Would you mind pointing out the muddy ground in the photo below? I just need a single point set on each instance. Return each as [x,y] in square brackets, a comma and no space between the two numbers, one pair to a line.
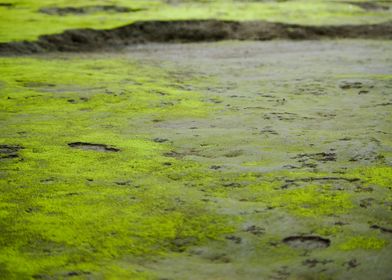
[186,31]
[228,160]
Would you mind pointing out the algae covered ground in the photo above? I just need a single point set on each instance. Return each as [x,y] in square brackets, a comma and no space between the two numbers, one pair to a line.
[222,160]
[28,19]
[199,161]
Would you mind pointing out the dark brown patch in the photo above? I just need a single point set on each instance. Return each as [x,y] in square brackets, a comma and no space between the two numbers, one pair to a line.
[179,244]
[82,40]
[160,140]
[7,5]
[350,85]
[233,154]
[63,11]
[9,151]
[307,242]
[93,147]
[235,239]
[369,6]
[311,179]
[353,263]
[255,230]
[382,229]
[321,157]
[314,262]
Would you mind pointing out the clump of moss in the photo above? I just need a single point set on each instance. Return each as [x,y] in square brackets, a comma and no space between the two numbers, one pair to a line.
[86,208]
[375,175]
[363,242]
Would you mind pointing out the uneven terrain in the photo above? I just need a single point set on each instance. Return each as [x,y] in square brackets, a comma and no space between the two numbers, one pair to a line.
[129,151]
[229,160]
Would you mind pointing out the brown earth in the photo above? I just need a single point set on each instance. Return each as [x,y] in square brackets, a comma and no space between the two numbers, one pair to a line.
[82,40]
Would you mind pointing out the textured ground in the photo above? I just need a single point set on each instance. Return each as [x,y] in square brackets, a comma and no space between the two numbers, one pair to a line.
[268,160]
[28,19]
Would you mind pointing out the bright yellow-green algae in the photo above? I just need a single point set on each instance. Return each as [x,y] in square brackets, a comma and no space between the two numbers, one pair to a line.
[64,209]
[363,242]
[69,209]
[23,21]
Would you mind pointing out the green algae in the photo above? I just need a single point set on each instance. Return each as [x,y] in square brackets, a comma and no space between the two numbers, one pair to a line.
[66,211]
[85,207]
[15,19]
[364,242]
[375,175]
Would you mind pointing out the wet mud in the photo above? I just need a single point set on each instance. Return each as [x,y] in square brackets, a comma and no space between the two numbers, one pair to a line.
[229,160]
[93,147]
[307,242]
[87,40]
[63,11]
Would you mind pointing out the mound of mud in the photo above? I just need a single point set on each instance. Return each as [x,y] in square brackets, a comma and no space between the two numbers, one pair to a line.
[85,40]
[63,11]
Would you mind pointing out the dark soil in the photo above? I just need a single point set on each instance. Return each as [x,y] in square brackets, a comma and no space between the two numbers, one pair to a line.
[85,40]
[382,229]
[63,11]
[9,151]
[93,147]
[8,5]
[307,242]
[369,6]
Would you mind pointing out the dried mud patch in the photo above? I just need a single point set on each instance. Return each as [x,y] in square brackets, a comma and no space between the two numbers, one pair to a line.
[93,147]
[84,10]
[307,242]
[86,40]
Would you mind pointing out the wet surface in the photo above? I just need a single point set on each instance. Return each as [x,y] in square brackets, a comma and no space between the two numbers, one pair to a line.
[287,140]
[93,147]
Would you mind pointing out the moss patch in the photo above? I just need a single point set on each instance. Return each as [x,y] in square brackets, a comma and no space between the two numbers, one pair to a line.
[16,18]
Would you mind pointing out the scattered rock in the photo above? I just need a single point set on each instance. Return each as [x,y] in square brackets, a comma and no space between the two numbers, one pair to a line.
[307,242]
[93,147]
